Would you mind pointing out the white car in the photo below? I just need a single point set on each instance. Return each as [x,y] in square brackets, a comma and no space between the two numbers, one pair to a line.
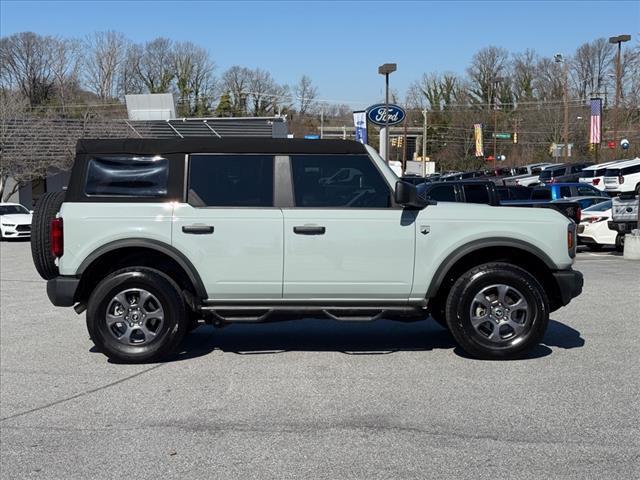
[594,175]
[593,230]
[624,177]
[15,221]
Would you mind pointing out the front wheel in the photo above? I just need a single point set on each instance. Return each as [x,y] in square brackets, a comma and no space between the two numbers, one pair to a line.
[497,311]
[137,315]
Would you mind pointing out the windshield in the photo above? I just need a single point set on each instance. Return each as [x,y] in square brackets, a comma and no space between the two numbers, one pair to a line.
[599,207]
[12,209]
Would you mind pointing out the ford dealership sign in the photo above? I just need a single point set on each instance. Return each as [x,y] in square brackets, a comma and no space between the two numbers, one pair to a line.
[375,114]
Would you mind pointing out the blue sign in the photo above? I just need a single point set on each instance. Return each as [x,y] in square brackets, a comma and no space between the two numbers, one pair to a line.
[376,115]
[312,137]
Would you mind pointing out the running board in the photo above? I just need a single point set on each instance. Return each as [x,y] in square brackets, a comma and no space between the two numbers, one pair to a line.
[257,314]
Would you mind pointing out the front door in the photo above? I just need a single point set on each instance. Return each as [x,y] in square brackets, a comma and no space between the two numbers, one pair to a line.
[343,238]
[229,228]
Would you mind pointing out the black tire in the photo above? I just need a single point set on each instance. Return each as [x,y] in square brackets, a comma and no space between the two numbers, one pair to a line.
[169,334]
[620,242]
[461,299]
[45,211]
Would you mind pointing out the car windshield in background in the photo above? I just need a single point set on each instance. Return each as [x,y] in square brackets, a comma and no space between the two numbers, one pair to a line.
[12,209]
[599,207]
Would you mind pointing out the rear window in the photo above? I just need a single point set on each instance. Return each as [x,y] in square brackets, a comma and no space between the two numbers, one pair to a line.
[127,176]
[545,174]
[589,174]
[599,207]
[612,172]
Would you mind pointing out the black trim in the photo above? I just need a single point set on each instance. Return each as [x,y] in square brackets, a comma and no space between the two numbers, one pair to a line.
[282,187]
[161,247]
[156,146]
[470,247]
[61,290]
[570,283]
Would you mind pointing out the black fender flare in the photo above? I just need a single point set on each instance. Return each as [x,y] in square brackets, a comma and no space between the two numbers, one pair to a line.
[480,244]
[151,244]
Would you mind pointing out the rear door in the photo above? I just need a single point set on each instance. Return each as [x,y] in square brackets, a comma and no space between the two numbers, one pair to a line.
[229,228]
[344,239]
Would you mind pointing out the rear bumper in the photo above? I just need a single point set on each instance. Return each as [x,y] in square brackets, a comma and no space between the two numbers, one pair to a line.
[570,283]
[622,227]
[61,290]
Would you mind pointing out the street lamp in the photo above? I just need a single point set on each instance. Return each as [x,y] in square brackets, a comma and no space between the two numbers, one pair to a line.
[494,83]
[386,69]
[559,58]
[620,39]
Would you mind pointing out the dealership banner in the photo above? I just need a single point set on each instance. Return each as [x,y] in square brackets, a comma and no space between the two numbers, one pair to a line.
[360,122]
[477,130]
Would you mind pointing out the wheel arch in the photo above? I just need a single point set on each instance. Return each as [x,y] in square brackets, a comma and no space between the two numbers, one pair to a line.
[138,252]
[513,251]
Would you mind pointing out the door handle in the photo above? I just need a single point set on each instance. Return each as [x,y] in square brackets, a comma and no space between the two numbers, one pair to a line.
[198,229]
[309,230]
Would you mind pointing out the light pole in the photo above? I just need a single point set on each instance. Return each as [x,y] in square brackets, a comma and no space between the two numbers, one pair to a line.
[386,69]
[619,40]
[565,95]
[494,83]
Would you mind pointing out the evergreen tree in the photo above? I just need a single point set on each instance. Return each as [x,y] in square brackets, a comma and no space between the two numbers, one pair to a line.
[224,108]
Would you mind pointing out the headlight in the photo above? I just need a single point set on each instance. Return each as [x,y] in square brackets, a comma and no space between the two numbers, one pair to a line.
[8,225]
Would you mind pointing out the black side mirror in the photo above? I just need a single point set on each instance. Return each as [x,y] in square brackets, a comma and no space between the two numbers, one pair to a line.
[407,195]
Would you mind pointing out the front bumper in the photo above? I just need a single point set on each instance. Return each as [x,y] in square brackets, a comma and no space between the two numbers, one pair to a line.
[61,290]
[16,231]
[570,283]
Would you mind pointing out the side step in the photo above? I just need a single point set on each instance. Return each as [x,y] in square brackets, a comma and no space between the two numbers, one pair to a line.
[257,314]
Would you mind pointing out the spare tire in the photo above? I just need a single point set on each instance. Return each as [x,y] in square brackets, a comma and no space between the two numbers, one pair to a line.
[45,211]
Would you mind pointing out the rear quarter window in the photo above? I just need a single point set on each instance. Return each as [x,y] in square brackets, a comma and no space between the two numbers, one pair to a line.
[127,176]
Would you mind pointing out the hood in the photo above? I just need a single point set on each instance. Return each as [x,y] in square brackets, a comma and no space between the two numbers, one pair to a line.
[17,218]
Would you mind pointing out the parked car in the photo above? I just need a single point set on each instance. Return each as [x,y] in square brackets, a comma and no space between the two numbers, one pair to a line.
[534,178]
[181,250]
[624,216]
[594,174]
[593,230]
[584,201]
[15,221]
[623,177]
[521,173]
[475,191]
[557,191]
[564,173]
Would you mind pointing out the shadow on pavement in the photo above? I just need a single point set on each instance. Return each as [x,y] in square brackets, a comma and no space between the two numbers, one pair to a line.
[377,338]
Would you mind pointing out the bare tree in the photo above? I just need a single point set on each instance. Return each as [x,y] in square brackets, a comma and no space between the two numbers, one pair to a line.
[194,77]
[590,65]
[129,82]
[25,60]
[65,66]
[548,82]
[524,73]
[306,93]
[487,65]
[155,66]
[236,82]
[105,53]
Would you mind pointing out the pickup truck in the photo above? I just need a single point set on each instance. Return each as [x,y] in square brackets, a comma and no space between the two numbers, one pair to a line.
[154,236]
[624,216]
[475,191]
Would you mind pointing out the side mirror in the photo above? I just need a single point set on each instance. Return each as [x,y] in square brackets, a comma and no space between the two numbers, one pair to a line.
[406,195]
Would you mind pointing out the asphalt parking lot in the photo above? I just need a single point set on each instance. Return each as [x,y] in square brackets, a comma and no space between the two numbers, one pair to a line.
[322,399]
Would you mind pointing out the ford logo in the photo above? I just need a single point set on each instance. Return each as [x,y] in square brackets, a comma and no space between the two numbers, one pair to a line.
[376,115]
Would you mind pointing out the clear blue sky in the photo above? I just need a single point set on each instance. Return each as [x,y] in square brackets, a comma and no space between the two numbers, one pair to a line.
[339,44]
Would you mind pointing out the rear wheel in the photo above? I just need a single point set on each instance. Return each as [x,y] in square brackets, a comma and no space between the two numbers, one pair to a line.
[620,242]
[45,211]
[137,315]
[497,311]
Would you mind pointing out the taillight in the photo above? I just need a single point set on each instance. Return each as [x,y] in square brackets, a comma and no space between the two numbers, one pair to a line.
[57,238]
[552,180]
[595,181]
[517,182]
[620,179]
[578,215]
[571,240]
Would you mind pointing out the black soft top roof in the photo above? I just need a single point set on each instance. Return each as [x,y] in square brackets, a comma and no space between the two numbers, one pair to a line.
[158,146]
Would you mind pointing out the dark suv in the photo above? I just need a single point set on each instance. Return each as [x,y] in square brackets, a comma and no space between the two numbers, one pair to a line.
[566,173]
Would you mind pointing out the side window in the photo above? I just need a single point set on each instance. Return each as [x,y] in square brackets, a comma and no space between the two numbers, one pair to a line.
[127,176]
[231,180]
[476,194]
[541,194]
[326,181]
[565,192]
[576,168]
[586,190]
[442,193]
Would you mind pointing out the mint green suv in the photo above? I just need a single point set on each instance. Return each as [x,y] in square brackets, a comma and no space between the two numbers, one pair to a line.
[153,236]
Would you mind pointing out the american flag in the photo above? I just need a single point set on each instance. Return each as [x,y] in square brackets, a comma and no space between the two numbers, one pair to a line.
[596,116]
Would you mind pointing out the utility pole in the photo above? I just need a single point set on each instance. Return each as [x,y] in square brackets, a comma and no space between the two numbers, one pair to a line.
[424,143]
[386,69]
[619,40]
[559,58]
[495,83]
[322,121]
